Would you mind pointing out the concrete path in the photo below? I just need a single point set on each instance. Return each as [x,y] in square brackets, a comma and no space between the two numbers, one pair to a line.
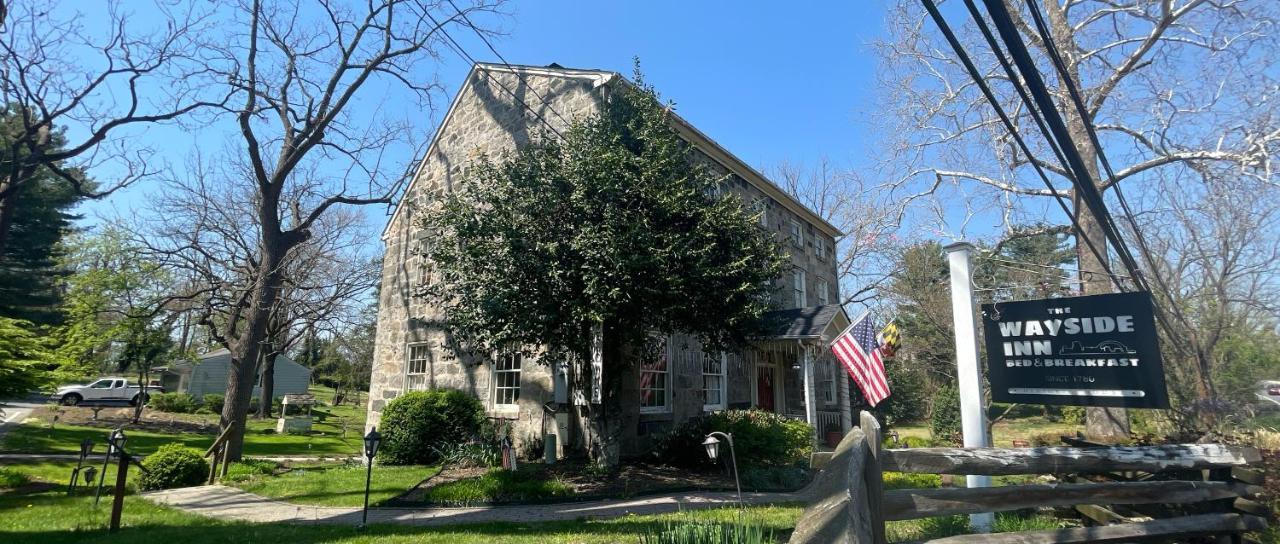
[233,504]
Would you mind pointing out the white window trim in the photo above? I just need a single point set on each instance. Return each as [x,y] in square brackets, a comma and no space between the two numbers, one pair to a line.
[797,232]
[827,383]
[819,247]
[519,372]
[724,390]
[408,363]
[823,292]
[666,389]
[799,288]
[761,208]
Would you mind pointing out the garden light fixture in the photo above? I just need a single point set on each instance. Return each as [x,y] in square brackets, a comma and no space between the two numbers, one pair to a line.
[712,443]
[371,442]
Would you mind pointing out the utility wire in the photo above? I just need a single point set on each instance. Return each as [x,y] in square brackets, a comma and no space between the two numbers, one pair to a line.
[980,81]
[489,44]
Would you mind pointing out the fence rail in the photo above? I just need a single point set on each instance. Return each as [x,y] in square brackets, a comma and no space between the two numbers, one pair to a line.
[853,508]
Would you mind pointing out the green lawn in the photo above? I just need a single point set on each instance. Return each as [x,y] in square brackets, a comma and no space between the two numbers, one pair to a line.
[1005,431]
[499,485]
[338,434]
[335,484]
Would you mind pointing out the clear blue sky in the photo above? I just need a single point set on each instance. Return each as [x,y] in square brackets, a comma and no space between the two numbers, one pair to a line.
[771,82]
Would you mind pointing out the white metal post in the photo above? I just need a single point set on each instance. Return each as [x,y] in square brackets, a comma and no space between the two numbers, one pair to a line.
[810,411]
[973,419]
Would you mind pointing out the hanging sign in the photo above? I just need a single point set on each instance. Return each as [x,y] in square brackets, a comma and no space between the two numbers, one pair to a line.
[1098,350]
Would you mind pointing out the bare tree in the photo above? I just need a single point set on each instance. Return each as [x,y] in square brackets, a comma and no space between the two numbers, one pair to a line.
[1169,85]
[304,149]
[55,74]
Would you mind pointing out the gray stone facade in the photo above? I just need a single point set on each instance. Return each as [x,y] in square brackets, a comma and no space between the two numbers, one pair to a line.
[487,118]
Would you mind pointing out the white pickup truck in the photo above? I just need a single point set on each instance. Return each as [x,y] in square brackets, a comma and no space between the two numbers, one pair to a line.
[104,390]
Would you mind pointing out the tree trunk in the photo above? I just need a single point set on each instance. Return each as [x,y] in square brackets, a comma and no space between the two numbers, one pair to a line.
[8,207]
[618,412]
[268,385]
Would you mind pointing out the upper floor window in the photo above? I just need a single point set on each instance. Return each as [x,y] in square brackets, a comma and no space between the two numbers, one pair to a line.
[415,370]
[820,249]
[797,233]
[506,379]
[713,368]
[823,292]
[654,385]
[797,286]
[760,207]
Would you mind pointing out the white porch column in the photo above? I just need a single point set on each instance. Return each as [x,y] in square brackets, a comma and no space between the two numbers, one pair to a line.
[810,410]
[842,389]
[973,420]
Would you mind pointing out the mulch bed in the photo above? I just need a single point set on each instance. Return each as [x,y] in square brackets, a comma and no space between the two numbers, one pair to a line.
[110,418]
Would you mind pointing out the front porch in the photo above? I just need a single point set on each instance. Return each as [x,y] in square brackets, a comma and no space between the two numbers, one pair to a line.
[793,373]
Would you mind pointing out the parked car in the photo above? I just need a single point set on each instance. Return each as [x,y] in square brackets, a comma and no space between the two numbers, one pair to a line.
[105,389]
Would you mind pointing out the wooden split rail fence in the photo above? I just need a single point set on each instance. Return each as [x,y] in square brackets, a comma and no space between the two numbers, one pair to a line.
[1205,490]
[218,451]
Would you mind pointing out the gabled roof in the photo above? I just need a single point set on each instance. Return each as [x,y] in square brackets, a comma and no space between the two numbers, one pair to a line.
[690,133]
[802,323]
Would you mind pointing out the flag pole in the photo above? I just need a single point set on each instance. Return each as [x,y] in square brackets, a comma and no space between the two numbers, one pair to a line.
[862,316]
[968,371]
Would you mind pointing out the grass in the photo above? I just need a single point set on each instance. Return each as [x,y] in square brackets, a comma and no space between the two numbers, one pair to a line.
[328,485]
[53,518]
[1004,432]
[499,486]
[929,528]
[338,435]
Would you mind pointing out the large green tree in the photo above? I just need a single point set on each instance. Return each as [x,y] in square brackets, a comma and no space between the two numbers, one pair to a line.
[613,225]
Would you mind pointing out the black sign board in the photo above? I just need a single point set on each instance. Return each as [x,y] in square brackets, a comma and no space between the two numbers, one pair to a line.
[1098,350]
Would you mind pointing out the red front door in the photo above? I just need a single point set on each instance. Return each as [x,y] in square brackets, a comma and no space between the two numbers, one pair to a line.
[764,388]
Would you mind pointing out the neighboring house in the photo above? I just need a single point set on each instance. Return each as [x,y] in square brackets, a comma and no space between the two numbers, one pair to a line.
[789,370]
[208,375]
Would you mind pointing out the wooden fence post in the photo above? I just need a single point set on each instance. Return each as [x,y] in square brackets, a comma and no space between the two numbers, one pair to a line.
[117,503]
[873,477]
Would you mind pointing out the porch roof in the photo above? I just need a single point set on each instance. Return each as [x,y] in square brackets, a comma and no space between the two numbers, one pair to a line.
[802,323]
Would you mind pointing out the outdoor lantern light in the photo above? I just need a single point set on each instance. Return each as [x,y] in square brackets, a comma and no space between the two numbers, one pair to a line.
[117,439]
[371,441]
[713,451]
[713,447]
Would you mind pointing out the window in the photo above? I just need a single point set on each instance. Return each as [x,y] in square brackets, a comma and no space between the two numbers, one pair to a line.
[415,371]
[823,296]
[819,247]
[653,380]
[713,368]
[797,233]
[797,285]
[761,208]
[101,384]
[506,379]
[827,381]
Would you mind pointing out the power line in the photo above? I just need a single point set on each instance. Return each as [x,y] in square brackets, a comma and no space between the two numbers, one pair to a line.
[1009,126]
[489,44]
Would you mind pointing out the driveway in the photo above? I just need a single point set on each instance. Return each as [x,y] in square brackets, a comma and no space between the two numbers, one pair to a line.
[13,412]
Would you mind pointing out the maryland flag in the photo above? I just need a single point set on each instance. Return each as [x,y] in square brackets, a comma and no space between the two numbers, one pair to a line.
[889,340]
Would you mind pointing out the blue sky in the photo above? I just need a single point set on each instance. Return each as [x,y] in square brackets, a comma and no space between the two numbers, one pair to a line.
[770,82]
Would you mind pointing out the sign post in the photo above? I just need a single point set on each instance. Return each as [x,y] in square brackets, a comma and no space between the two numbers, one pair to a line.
[973,420]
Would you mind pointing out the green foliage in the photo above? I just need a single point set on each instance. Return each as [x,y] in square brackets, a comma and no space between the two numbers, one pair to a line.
[176,403]
[783,478]
[1073,415]
[944,414]
[174,465]
[419,425]
[910,393]
[1245,358]
[248,468]
[11,478]
[760,438]
[24,358]
[213,402]
[911,480]
[709,532]
[497,485]
[616,222]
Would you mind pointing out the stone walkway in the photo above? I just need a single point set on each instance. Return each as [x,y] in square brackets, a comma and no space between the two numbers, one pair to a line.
[229,503]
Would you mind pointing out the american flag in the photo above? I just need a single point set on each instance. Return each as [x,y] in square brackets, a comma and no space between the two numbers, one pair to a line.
[860,353]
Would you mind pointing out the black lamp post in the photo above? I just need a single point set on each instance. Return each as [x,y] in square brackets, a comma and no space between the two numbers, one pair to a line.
[371,441]
[713,451]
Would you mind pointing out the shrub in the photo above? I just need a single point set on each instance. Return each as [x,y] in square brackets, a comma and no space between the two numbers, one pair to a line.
[1073,415]
[709,532]
[760,439]
[174,465]
[11,478]
[213,402]
[499,485]
[419,425]
[786,478]
[944,415]
[178,403]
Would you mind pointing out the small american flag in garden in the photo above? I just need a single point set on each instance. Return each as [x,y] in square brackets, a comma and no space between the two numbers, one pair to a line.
[859,351]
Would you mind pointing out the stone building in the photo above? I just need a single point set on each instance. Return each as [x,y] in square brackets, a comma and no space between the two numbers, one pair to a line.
[789,370]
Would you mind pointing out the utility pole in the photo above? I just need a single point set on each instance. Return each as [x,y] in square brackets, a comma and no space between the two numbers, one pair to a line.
[973,419]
